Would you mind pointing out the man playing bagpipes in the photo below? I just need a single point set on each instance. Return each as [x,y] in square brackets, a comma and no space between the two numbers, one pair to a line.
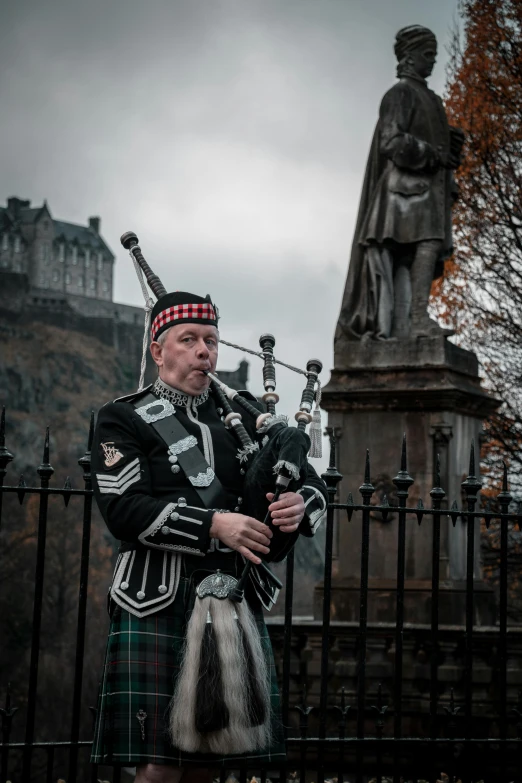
[189,682]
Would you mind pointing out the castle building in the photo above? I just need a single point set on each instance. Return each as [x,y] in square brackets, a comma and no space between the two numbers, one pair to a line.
[55,255]
[62,273]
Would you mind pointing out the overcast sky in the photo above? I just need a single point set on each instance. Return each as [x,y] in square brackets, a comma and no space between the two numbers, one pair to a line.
[230,135]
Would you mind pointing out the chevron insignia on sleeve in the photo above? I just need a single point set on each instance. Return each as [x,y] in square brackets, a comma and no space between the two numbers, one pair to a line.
[118,483]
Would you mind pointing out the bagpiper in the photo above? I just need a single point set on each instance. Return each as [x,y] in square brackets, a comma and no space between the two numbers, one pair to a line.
[169,478]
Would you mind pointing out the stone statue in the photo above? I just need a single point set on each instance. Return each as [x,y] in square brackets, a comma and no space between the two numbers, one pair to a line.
[403,229]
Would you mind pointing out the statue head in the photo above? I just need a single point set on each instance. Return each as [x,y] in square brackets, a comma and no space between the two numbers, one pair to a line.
[416,51]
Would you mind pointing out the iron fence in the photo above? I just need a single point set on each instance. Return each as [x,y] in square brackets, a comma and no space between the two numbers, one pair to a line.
[339,732]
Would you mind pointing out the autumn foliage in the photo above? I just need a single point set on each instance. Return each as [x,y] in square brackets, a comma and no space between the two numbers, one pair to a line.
[480,295]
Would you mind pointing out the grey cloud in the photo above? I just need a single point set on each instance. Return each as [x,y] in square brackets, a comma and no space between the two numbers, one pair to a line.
[230,134]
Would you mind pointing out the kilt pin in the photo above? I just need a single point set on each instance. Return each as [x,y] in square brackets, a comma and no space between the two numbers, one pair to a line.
[154,508]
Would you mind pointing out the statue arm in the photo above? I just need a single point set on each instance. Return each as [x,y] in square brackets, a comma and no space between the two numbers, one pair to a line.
[404,149]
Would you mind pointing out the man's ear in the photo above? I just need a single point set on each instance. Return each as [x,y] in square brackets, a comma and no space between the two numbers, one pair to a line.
[157,353]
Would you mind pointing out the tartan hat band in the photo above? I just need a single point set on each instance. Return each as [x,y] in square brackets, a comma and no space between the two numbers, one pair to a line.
[181,307]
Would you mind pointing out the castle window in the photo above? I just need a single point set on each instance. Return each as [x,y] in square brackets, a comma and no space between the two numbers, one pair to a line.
[17,244]
[106,287]
[68,278]
[56,276]
[93,284]
[80,281]
[5,242]
[44,251]
[74,254]
[100,262]
[61,252]
[87,259]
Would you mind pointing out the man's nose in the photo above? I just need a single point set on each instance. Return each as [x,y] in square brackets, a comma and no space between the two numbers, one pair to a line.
[202,349]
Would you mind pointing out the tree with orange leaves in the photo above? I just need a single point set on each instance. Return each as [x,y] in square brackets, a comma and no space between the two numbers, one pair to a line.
[480,294]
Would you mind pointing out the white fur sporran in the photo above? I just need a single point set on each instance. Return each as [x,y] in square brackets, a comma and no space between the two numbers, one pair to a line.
[225,664]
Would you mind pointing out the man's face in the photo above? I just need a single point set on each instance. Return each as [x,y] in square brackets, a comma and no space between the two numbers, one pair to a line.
[187,351]
[424,58]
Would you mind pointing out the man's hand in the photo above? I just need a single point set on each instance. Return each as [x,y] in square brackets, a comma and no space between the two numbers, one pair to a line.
[241,533]
[287,512]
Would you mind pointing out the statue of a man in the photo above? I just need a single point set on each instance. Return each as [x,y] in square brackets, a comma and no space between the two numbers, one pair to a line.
[403,230]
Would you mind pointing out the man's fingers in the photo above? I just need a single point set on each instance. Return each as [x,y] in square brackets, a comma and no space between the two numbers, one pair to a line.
[259,527]
[285,500]
[295,519]
[290,511]
[289,528]
[249,555]
[252,536]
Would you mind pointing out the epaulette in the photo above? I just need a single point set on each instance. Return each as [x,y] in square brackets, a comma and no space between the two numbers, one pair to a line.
[135,395]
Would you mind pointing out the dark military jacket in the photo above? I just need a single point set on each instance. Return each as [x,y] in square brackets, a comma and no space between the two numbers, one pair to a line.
[149,503]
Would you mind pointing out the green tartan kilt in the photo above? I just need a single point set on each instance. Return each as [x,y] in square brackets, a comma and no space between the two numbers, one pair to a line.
[142,663]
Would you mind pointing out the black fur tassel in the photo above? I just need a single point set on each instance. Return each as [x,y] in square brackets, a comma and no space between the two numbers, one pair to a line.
[211,711]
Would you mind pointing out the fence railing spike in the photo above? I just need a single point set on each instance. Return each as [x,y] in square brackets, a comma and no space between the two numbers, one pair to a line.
[21,489]
[471,485]
[46,447]
[367,489]
[45,470]
[5,455]
[504,497]
[403,480]
[331,476]
[66,494]
[420,511]
[90,436]
[85,461]
[349,506]
[454,513]
[437,471]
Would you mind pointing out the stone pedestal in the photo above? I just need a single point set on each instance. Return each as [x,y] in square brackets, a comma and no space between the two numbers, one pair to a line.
[429,389]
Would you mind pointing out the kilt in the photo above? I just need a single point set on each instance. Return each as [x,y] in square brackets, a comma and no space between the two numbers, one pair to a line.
[142,662]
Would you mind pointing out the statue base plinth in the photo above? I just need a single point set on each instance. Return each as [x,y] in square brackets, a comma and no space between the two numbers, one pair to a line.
[410,374]
[430,390]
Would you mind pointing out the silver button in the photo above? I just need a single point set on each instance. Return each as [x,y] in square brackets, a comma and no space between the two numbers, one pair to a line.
[124,585]
[173,459]
[162,589]
[174,516]
[165,530]
[175,468]
[236,508]
[219,410]
[141,595]
[242,472]
[240,500]
[182,502]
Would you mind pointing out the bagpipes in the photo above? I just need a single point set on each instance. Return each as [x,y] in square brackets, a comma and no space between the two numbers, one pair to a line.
[221,702]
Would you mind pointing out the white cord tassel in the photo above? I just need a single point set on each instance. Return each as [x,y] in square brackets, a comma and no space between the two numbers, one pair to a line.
[316,428]
[149,304]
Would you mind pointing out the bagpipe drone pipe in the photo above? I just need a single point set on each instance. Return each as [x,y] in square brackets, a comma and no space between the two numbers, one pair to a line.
[221,702]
